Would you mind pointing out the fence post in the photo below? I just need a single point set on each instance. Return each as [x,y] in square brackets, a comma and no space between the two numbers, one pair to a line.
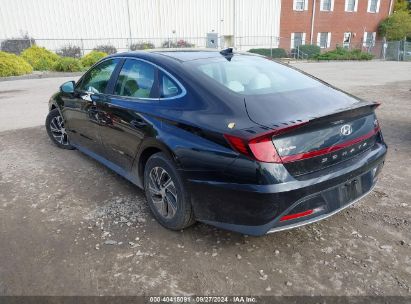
[271,46]
[82,46]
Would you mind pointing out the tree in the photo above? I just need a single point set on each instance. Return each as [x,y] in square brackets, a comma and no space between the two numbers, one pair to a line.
[396,27]
[402,5]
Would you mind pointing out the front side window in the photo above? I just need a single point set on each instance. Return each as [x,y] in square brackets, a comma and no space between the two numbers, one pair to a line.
[96,80]
[324,40]
[252,75]
[373,6]
[350,5]
[326,5]
[299,5]
[136,79]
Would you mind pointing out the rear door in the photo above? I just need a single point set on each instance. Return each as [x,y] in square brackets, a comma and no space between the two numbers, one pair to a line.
[123,123]
[81,115]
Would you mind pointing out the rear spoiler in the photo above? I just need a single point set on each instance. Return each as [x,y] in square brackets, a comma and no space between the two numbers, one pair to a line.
[359,109]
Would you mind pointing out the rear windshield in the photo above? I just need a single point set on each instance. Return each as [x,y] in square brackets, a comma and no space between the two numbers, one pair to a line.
[253,75]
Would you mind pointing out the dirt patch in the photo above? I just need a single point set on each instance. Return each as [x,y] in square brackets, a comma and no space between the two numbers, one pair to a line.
[70,226]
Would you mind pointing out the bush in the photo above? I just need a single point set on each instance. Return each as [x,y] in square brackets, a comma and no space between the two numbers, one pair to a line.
[72,51]
[106,48]
[311,50]
[12,65]
[344,54]
[40,58]
[67,64]
[141,46]
[92,57]
[177,44]
[276,52]
[17,45]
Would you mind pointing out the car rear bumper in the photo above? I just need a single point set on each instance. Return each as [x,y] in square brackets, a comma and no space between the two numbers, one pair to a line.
[317,218]
[260,209]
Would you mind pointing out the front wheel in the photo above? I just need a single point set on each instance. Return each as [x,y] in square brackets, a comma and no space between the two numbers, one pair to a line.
[168,200]
[56,131]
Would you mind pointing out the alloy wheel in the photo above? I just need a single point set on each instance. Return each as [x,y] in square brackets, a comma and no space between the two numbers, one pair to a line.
[163,192]
[58,131]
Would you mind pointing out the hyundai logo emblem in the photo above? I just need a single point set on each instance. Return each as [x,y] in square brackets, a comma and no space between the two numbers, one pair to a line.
[346,130]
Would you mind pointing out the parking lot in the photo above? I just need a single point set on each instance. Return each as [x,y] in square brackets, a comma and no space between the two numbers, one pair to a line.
[69,226]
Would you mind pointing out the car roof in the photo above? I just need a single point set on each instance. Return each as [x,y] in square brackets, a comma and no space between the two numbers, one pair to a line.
[180,55]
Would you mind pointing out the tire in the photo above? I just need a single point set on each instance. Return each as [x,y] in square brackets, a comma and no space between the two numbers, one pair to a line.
[169,202]
[55,130]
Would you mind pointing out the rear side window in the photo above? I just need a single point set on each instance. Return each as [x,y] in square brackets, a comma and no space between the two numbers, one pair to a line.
[136,79]
[168,87]
[96,80]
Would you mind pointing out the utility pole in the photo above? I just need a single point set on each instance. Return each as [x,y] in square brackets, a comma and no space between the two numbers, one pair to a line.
[234,33]
[312,22]
[129,25]
[390,9]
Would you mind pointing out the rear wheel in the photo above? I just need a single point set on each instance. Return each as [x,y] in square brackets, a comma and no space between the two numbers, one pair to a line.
[168,200]
[56,131]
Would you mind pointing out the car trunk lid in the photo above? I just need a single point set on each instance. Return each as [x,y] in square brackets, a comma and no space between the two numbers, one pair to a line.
[318,134]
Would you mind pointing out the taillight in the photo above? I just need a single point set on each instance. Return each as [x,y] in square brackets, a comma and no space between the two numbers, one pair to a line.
[238,144]
[261,147]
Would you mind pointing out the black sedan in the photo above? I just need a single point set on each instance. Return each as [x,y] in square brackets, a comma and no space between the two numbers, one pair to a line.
[234,140]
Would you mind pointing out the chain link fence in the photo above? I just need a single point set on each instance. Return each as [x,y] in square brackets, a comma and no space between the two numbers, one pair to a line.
[126,44]
[390,50]
[386,50]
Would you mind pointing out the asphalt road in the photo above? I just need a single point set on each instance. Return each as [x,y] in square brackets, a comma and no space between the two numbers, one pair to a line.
[69,226]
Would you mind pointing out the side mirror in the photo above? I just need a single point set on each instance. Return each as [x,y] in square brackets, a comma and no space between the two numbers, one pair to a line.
[67,87]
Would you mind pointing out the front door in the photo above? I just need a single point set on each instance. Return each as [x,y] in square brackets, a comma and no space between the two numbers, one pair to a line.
[123,122]
[80,112]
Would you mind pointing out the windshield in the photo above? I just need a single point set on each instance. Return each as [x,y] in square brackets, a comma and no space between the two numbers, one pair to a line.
[253,75]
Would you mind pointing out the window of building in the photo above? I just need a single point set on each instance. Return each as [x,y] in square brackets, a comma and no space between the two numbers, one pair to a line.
[373,6]
[351,5]
[369,39]
[347,40]
[297,39]
[300,5]
[324,40]
[327,5]
[136,79]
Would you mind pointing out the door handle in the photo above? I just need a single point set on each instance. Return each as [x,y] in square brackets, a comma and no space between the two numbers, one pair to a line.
[93,110]
[93,113]
[138,123]
[86,96]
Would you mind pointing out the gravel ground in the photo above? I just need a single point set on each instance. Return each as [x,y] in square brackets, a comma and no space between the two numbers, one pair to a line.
[69,226]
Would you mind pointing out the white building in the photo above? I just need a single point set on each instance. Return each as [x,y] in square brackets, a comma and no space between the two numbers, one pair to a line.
[88,23]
